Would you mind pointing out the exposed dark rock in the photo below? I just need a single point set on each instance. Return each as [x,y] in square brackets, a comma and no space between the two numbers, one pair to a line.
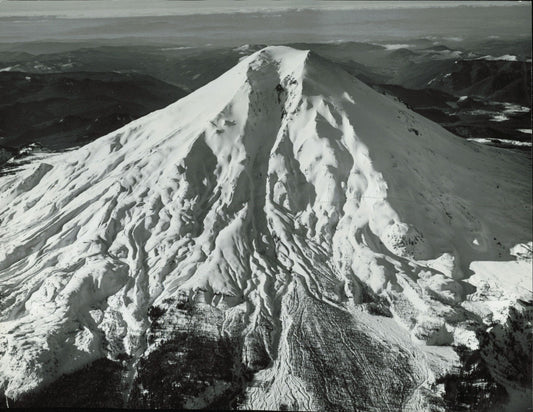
[192,366]
[473,387]
[97,385]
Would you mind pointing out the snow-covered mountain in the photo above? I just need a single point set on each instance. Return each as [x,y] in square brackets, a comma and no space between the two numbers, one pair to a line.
[284,237]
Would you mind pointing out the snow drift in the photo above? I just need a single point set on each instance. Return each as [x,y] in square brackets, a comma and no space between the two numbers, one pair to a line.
[347,240]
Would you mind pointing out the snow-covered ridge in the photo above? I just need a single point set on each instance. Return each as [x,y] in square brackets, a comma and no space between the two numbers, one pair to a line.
[282,182]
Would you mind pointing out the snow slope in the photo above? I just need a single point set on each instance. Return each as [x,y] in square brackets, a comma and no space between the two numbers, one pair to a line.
[339,227]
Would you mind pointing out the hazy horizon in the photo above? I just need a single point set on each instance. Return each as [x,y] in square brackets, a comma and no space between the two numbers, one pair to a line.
[231,23]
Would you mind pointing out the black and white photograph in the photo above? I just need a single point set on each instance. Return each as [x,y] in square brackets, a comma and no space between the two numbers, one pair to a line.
[280,205]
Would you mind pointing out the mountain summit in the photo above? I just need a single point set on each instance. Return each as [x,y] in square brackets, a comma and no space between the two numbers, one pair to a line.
[284,237]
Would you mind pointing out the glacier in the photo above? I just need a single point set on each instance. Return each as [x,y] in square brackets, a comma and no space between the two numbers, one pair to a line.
[340,245]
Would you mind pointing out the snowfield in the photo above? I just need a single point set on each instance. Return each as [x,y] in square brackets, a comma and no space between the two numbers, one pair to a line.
[348,243]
